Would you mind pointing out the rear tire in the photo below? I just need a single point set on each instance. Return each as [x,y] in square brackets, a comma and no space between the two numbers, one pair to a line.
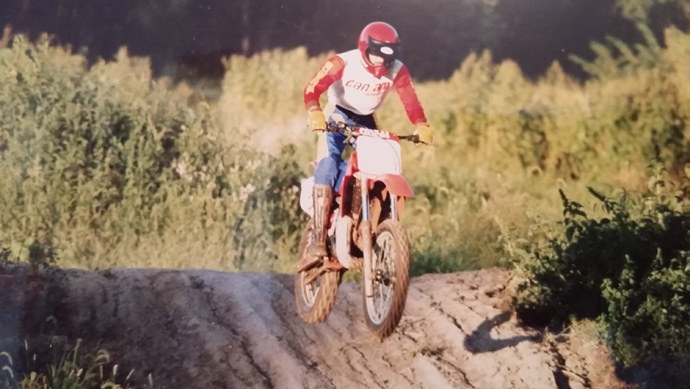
[314,299]
[391,270]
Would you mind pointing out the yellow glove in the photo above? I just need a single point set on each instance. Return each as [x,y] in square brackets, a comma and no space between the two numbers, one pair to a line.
[424,133]
[317,122]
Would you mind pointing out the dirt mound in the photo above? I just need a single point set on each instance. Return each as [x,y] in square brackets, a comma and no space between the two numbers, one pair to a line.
[206,329]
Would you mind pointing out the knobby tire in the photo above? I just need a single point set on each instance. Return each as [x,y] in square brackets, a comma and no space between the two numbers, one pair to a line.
[402,281]
[328,288]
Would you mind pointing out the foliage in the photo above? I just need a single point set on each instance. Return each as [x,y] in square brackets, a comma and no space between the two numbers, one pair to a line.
[663,12]
[105,166]
[70,368]
[616,57]
[629,270]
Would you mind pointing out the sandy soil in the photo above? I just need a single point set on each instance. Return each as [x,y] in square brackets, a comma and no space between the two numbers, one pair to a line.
[207,329]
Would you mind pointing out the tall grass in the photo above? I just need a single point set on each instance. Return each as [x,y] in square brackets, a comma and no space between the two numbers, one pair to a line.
[106,166]
[69,368]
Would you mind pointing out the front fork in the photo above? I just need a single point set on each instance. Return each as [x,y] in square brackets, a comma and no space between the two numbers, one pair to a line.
[366,239]
[367,244]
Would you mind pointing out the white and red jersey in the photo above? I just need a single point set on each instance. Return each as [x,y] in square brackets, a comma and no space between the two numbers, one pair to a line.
[352,87]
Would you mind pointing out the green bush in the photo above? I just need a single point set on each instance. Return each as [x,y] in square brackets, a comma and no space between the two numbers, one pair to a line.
[629,270]
[104,166]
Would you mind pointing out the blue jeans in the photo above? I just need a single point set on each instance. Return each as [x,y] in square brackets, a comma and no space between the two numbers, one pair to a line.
[331,169]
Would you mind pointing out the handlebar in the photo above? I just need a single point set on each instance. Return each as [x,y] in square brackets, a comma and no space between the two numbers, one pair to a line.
[356,131]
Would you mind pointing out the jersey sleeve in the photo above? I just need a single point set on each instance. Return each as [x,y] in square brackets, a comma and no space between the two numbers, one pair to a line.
[408,97]
[330,72]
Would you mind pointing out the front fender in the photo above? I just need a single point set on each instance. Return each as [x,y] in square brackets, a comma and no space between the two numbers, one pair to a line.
[396,184]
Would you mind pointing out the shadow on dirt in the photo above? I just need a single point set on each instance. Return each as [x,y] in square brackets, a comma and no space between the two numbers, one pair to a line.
[480,340]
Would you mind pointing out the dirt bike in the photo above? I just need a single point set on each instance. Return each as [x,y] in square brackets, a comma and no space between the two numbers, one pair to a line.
[364,234]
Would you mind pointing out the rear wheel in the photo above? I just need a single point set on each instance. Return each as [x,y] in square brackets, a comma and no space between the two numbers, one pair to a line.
[390,279]
[315,288]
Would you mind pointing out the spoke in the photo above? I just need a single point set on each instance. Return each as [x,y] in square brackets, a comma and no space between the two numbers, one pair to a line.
[388,294]
[383,269]
[311,288]
[383,300]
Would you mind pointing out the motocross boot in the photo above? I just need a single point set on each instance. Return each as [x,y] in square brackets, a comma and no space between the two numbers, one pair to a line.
[323,197]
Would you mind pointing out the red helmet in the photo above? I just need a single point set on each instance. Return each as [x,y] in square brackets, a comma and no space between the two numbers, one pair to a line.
[382,40]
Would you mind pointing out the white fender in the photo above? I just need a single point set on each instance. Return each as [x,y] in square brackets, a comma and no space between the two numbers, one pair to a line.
[306,195]
[343,237]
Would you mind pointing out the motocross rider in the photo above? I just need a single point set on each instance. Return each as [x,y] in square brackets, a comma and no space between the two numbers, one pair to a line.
[357,82]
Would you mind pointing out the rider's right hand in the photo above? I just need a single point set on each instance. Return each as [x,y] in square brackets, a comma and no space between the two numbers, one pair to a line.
[317,121]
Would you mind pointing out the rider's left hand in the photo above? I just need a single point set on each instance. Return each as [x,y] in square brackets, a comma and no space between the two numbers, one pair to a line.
[316,120]
[424,133]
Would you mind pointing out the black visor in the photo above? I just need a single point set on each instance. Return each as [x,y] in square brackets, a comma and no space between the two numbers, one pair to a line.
[388,51]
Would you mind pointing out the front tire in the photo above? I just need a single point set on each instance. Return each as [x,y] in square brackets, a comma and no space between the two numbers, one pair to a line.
[315,299]
[391,278]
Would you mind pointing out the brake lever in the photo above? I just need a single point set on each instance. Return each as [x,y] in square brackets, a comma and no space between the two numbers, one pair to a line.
[414,138]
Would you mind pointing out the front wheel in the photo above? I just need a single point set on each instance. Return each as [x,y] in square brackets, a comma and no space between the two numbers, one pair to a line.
[390,279]
[315,288]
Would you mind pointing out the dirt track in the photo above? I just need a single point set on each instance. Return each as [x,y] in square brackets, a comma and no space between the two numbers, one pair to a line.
[206,329]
